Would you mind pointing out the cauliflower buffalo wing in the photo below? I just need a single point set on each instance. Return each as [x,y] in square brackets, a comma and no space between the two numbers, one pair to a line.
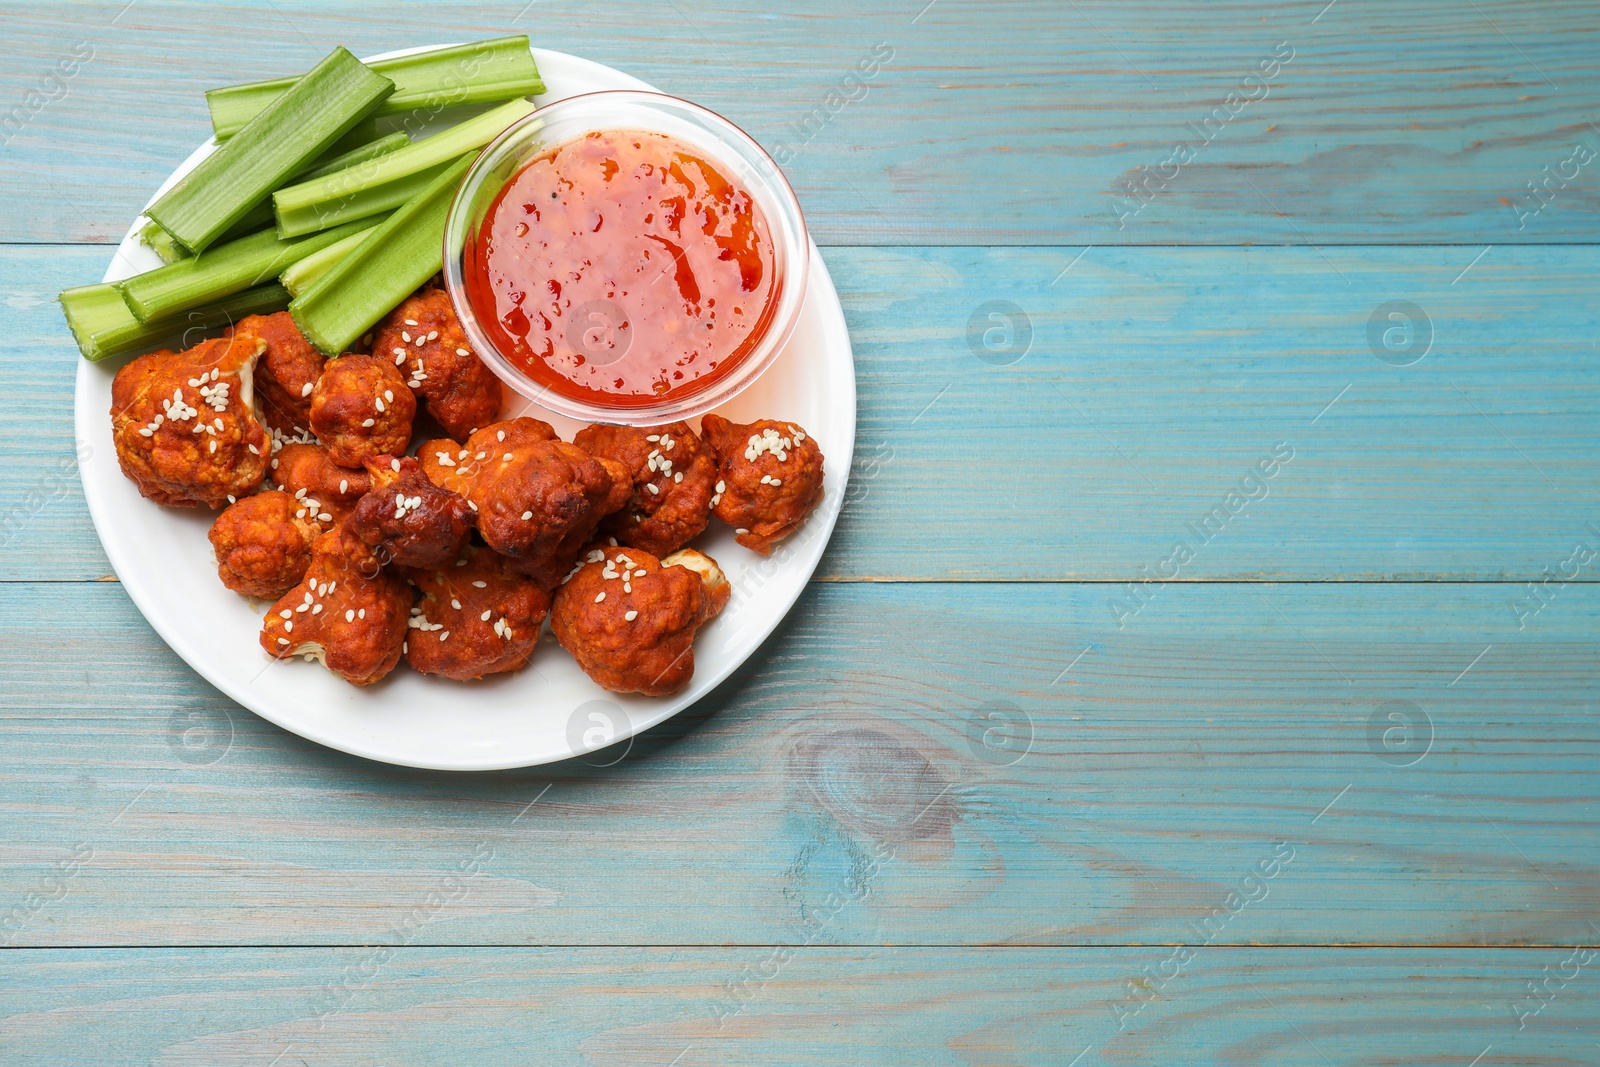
[183,426]
[423,340]
[536,498]
[286,374]
[674,476]
[328,490]
[407,519]
[477,616]
[348,611]
[361,409]
[770,478]
[630,619]
[263,544]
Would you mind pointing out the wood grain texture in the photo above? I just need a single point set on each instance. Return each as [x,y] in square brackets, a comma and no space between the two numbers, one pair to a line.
[1154,382]
[963,763]
[827,1007]
[1015,122]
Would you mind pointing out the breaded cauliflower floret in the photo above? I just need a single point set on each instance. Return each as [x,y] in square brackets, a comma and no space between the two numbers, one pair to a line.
[477,616]
[263,544]
[406,519]
[183,426]
[769,480]
[423,340]
[536,498]
[288,370]
[329,491]
[361,409]
[630,619]
[674,478]
[349,612]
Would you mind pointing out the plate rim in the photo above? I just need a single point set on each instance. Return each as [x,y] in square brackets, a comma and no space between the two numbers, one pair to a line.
[179,642]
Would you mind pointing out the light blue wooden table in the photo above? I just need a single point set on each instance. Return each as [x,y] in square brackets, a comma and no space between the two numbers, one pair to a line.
[1019,781]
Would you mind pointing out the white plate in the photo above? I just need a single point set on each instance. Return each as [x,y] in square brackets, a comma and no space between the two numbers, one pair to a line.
[549,710]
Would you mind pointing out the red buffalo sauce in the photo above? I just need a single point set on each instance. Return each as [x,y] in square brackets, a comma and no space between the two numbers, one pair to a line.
[623,269]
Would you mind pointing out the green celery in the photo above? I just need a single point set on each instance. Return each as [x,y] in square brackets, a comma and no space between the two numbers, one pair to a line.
[219,271]
[161,243]
[396,257]
[298,277]
[276,144]
[260,216]
[104,327]
[389,180]
[485,72]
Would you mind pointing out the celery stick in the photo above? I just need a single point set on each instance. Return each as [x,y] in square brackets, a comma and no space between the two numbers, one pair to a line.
[219,271]
[485,72]
[277,143]
[161,243]
[104,327]
[298,277]
[387,181]
[396,257]
[260,216]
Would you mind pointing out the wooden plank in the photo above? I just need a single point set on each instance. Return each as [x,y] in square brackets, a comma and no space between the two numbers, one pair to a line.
[966,763]
[1154,383]
[1017,122]
[704,1006]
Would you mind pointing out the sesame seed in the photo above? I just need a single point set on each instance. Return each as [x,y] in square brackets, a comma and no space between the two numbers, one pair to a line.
[325,517]
[652,487]
[721,486]
[455,603]
[378,403]
[777,481]
[433,335]
[350,615]
[388,394]
[526,515]
[506,458]
[286,614]
[405,335]
[411,322]
[305,390]
[254,451]
[653,437]
[394,465]
[369,422]
[463,352]
[500,435]
[676,478]
[316,609]
[344,485]
[599,596]
[630,616]
[485,616]
[405,646]
[627,587]
[741,530]
[445,636]
[288,626]
[481,585]
[361,614]
[213,446]
[302,607]
[232,499]
[283,640]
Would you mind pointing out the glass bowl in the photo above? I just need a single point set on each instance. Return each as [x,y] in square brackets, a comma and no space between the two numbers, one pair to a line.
[722,144]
